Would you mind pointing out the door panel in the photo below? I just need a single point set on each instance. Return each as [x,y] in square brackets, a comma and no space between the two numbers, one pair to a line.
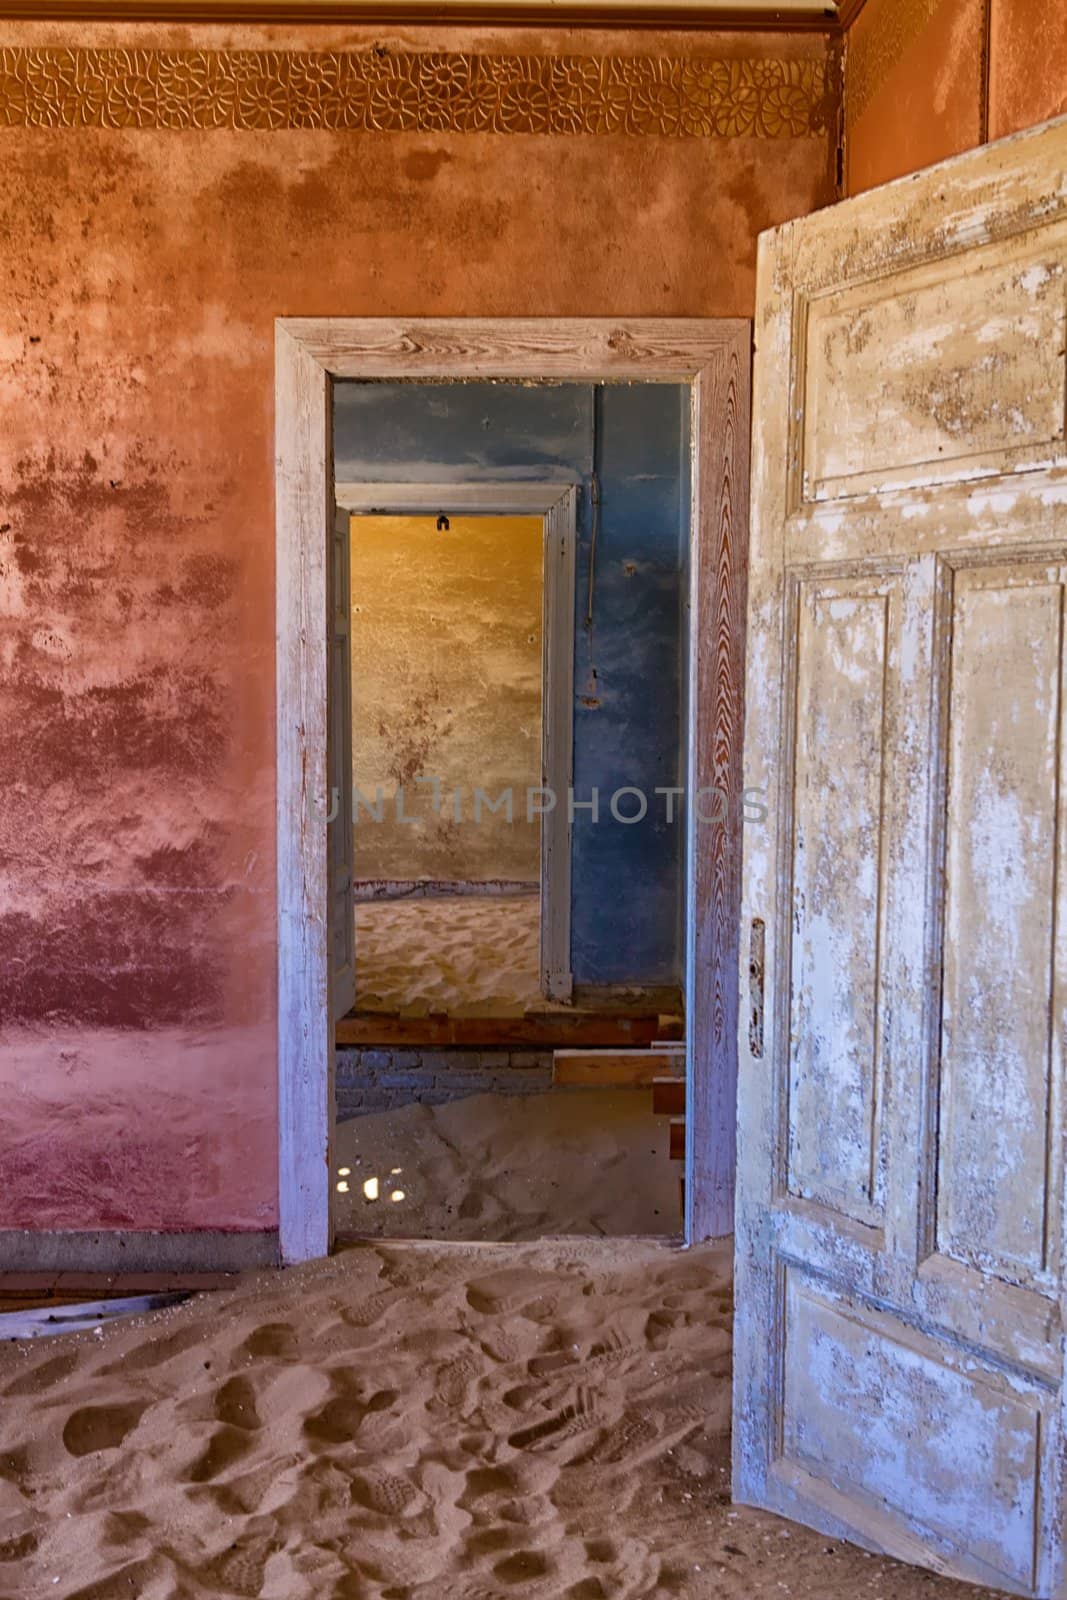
[844,634]
[899,1367]
[998,1046]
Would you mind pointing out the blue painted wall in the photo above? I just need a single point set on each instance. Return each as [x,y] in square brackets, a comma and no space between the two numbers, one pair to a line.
[632,442]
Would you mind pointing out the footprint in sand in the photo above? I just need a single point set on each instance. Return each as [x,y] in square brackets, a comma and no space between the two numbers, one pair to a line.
[92,1428]
[388,1494]
[19,1546]
[274,1341]
[235,1404]
[339,1419]
[523,1566]
[235,1409]
[240,1569]
[576,1418]
[368,1311]
[514,1290]
[44,1376]
[154,1352]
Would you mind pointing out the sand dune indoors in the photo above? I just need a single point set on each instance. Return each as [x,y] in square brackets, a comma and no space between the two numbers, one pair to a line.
[407,1422]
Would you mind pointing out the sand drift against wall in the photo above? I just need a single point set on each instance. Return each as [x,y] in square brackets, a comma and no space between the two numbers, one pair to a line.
[467,955]
[574,1161]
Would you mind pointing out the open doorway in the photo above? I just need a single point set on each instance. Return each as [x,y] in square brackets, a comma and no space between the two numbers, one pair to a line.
[518,770]
[447,766]
[707,364]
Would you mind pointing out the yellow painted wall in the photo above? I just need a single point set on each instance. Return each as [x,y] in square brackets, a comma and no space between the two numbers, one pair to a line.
[446,683]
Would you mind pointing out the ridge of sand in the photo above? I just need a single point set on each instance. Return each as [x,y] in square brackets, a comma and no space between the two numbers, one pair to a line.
[469,955]
[406,1422]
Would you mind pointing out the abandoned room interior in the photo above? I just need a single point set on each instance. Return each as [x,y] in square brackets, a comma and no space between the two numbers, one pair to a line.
[533,556]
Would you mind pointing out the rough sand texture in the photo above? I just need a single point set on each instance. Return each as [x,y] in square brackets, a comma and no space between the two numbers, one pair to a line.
[446,1422]
[577,1161]
[469,955]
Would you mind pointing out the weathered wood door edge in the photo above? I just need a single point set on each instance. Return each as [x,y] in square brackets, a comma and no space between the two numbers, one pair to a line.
[929,218]
[557,505]
[713,357]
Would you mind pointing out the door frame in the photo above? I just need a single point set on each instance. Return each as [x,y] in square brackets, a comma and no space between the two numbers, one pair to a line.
[712,356]
[557,506]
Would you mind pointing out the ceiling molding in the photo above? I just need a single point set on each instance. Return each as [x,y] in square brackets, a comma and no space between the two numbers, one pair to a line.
[645,14]
[847,12]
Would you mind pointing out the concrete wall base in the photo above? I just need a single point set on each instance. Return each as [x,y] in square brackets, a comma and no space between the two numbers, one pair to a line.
[25,1250]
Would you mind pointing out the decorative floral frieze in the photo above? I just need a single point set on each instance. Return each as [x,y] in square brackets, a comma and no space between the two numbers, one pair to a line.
[397,91]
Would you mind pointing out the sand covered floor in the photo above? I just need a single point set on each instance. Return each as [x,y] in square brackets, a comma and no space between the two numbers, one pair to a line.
[573,1161]
[469,955]
[403,1422]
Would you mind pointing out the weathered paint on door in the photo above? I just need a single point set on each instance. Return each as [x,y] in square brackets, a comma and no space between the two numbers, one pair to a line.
[899,1369]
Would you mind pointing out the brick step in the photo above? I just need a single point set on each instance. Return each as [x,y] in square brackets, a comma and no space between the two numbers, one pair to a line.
[617,1069]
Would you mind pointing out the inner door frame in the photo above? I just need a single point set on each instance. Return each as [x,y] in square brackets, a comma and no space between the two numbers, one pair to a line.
[713,356]
[557,506]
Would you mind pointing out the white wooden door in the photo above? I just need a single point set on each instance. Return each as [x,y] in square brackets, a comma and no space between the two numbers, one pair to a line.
[342,929]
[899,1358]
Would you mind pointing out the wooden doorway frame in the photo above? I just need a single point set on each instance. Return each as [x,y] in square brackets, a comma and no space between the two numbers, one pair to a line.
[714,358]
[557,506]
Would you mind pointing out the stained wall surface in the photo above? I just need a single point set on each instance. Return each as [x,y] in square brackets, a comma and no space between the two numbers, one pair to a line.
[1027,64]
[914,87]
[927,79]
[161,203]
[446,697]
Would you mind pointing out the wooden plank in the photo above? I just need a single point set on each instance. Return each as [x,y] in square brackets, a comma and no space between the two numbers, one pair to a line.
[677,1132]
[557,743]
[717,657]
[772,16]
[538,1030]
[629,1069]
[41,1322]
[668,1097]
[649,349]
[456,499]
[304,521]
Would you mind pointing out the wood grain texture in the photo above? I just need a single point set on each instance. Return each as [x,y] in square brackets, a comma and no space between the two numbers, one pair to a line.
[304,510]
[539,1030]
[668,1097]
[557,743]
[900,1114]
[717,677]
[619,1069]
[713,356]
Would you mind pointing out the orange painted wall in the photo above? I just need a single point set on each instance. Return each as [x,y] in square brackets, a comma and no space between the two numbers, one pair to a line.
[914,86]
[1027,64]
[927,79]
[141,274]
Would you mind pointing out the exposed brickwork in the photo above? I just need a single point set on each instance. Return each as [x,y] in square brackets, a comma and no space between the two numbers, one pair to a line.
[375,1080]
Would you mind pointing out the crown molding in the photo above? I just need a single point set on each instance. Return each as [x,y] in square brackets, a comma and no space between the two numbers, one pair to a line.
[642,14]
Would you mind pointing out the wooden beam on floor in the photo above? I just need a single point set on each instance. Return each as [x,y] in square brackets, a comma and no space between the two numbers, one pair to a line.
[617,1069]
[668,1097]
[537,1029]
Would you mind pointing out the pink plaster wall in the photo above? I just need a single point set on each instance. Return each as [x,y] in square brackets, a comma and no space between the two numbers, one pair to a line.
[142,272]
